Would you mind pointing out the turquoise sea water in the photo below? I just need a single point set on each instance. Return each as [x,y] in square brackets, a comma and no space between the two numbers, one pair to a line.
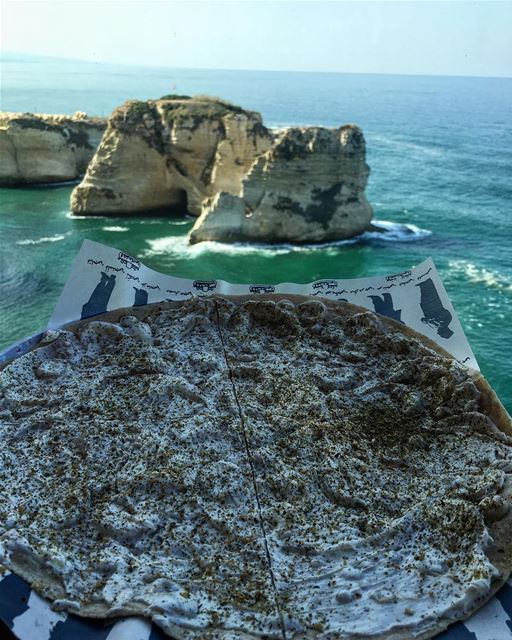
[440,152]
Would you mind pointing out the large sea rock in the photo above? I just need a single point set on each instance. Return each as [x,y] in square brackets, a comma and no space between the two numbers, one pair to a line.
[307,187]
[43,148]
[172,154]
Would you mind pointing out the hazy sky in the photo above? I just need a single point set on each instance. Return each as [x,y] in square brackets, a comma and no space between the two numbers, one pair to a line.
[447,38]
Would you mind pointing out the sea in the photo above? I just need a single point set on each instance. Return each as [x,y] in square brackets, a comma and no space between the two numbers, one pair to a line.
[440,153]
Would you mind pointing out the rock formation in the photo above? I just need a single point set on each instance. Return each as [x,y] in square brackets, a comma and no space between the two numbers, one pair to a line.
[217,161]
[308,187]
[42,148]
[175,153]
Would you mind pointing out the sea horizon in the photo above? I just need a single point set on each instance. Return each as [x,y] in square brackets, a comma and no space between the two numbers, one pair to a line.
[44,58]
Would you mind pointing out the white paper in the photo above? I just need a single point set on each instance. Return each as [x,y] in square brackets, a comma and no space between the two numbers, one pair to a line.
[104,278]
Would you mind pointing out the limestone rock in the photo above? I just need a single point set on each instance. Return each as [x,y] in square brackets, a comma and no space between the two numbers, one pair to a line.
[43,148]
[308,187]
[172,153]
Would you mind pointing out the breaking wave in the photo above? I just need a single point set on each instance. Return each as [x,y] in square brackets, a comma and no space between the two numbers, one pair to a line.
[115,229]
[55,238]
[135,219]
[481,275]
[71,216]
[395,232]
[382,231]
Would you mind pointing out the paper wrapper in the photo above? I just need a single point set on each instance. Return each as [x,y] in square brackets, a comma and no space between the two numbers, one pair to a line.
[104,278]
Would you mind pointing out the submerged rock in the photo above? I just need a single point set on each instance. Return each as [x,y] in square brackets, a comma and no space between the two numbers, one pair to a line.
[173,153]
[43,148]
[308,187]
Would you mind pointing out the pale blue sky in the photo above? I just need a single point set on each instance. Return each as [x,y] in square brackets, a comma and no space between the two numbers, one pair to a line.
[438,38]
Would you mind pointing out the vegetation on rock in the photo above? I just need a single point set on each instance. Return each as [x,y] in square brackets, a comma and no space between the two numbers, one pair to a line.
[30,121]
[138,117]
[144,118]
[198,109]
[175,96]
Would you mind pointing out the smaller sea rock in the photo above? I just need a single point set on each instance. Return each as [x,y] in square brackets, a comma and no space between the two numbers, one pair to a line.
[308,187]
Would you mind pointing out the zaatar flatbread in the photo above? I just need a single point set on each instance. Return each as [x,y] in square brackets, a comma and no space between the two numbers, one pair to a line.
[125,486]
[280,468]
[384,470]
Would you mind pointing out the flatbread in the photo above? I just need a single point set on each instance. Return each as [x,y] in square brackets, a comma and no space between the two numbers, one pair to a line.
[245,468]
[374,465]
[125,486]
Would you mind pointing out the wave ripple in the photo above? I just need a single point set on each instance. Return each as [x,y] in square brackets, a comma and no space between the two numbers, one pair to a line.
[55,238]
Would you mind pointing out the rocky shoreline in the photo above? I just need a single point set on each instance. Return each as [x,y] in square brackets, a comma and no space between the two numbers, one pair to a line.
[46,148]
[201,156]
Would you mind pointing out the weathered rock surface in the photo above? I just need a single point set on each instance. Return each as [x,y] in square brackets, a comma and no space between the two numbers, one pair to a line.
[170,154]
[42,148]
[308,187]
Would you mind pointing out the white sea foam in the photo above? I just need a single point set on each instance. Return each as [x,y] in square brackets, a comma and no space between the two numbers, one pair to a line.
[481,275]
[55,238]
[178,245]
[72,216]
[179,221]
[385,231]
[115,229]
[395,232]
[135,219]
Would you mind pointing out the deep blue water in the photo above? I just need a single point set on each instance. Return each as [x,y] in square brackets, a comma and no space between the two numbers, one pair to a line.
[440,152]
